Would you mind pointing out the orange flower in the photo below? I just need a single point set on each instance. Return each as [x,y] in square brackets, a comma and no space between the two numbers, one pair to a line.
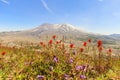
[54,36]
[58,41]
[100,48]
[85,44]
[89,40]
[81,49]
[71,45]
[99,43]
[41,43]
[109,50]
[50,42]
[3,53]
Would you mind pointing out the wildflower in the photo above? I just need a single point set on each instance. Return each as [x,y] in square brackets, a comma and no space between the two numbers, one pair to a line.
[66,76]
[31,62]
[74,52]
[58,41]
[83,67]
[54,36]
[55,59]
[3,53]
[78,68]
[85,44]
[51,68]
[71,45]
[81,49]
[65,51]
[40,77]
[100,48]
[50,42]
[99,43]
[109,50]
[71,60]
[44,44]
[41,43]
[82,76]
[85,70]
[89,40]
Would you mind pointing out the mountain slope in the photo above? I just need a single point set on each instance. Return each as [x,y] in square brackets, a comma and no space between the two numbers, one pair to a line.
[116,36]
[55,29]
[44,30]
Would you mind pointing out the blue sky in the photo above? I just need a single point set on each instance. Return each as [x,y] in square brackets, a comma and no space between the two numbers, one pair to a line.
[98,16]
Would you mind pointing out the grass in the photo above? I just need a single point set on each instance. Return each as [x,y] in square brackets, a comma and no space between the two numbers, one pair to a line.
[56,60]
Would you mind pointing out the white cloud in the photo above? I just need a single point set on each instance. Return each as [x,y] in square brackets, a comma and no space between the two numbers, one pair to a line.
[4,1]
[46,6]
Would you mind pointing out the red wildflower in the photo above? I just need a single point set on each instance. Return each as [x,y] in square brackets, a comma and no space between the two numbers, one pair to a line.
[54,36]
[58,41]
[89,40]
[100,48]
[71,45]
[81,49]
[85,44]
[3,53]
[50,42]
[109,50]
[41,43]
[99,43]
[44,45]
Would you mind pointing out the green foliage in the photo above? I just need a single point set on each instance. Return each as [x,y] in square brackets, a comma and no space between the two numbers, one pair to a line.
[27,62]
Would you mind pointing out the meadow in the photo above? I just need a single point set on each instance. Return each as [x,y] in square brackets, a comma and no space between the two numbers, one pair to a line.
[57,60]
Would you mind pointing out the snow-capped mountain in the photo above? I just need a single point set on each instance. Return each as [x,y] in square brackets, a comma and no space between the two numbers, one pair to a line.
[67,30]
[56,28]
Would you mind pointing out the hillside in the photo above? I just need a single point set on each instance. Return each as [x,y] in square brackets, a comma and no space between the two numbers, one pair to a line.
[44,31]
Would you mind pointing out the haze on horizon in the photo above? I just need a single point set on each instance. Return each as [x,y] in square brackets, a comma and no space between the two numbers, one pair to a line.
[97,16]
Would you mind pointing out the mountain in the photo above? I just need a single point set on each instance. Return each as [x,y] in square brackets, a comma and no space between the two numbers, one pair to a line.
[45,31]
[55,29]
[117,36]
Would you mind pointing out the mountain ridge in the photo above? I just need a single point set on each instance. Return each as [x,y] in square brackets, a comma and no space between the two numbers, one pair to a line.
[68,30]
